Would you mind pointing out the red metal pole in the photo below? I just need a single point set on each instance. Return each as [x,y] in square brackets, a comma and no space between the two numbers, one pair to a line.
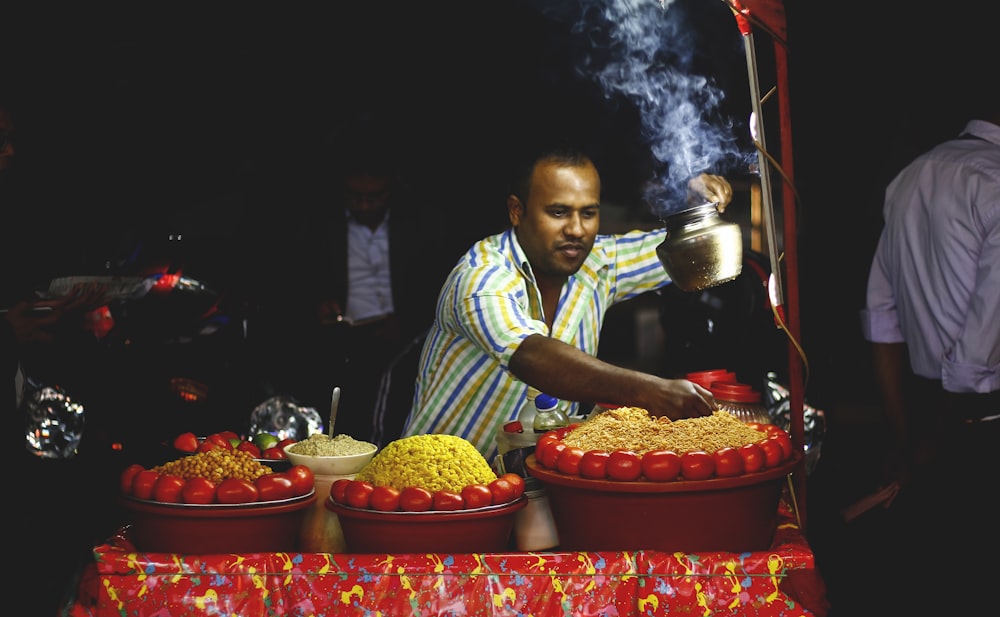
[789,300]
[796,384]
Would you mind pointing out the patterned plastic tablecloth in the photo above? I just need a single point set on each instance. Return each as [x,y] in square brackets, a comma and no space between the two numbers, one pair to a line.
[781,581]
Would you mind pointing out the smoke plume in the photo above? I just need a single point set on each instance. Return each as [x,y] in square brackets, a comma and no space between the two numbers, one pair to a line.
[643,50]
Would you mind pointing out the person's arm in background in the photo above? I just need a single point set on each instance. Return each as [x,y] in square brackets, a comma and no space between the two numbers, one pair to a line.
[972,363]
[970,372]
[890,364]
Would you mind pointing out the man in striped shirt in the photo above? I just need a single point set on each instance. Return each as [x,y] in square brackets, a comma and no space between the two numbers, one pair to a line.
[525,307]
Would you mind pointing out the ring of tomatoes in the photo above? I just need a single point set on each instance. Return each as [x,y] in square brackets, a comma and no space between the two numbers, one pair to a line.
[773,450]
[141,483]
[362,494]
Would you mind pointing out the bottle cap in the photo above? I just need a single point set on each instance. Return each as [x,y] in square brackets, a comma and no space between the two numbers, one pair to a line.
[546,402]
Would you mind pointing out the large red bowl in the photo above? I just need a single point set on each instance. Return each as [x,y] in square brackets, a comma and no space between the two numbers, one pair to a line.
[734,514]
[477,530]
[259,527]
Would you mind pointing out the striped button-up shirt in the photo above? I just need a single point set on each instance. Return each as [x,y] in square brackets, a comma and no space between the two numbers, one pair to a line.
[490,303]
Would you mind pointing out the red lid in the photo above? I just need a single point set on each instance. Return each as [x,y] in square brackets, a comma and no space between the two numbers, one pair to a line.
[706,378]
[735,392]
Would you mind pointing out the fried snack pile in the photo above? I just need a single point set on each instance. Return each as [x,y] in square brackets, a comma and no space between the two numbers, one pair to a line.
[632,428]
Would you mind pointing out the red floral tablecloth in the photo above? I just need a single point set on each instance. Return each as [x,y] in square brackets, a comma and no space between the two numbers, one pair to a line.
[780,582]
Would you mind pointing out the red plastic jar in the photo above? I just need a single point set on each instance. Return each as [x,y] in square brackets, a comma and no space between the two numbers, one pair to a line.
[740,400]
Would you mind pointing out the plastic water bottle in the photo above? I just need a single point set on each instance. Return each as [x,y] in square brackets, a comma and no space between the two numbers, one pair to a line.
[547,414]
[527,414]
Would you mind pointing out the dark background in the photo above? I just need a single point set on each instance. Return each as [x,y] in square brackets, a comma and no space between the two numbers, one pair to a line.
[215,121]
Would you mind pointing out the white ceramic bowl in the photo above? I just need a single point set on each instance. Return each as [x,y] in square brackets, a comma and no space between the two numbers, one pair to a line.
[348,464]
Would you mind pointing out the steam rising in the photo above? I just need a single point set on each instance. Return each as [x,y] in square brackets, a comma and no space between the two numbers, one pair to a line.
[643,50]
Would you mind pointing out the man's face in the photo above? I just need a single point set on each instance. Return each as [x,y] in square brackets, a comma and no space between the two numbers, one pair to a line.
[367,197]
[557,227]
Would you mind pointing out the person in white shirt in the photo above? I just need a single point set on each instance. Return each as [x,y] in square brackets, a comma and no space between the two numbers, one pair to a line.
[366,267]
[932,315]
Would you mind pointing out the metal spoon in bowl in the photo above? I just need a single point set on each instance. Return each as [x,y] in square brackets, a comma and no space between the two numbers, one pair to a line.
[334,404]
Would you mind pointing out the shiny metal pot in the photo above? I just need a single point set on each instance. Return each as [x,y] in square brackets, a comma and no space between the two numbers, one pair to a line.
[701,250]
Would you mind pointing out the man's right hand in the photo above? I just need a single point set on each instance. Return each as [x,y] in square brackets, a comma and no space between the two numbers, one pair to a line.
[679,398]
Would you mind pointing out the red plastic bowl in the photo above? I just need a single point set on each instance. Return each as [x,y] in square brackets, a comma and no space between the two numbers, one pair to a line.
[734,514]
[261,527]
[479,530]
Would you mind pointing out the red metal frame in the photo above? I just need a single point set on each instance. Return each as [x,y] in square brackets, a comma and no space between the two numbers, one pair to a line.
[769,16]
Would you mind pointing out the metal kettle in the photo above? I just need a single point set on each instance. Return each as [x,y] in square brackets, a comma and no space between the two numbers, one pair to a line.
[701,250]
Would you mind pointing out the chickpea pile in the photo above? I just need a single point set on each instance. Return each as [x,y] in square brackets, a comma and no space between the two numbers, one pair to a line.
[216,465]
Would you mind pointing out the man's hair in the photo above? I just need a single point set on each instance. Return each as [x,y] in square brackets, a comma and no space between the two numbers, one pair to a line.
[563,155]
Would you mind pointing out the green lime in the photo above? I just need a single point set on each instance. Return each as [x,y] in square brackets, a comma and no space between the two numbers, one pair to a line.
[265,441]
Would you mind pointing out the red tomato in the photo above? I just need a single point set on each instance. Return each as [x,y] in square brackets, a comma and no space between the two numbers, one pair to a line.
[128,474]
[569,461]
[542,445]
[448,500]
[502,489]
[337,489]
[477,496]
[563,430]
[302,479]
[273,453]
[551,454]
[358,493]
[384,499]
[594,464]
[168,488]
[275,486]
[415,499]
[697,465]
[728,462]
[624,466]
[198,490]
[785,441]
[249,446]
[207,445]
[230,436]
[753,457]
[661,465]
[553,432]
[220,441]
[284,442]
[516,481]
[236,490]
[772,452]
[773,429]
[186,442]
[142,483]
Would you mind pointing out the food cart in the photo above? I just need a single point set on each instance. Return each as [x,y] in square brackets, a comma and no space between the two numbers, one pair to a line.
[779,581]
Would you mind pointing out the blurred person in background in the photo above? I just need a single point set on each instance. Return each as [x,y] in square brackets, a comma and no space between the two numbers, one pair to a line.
[364,271]
[525,307]
[931,315]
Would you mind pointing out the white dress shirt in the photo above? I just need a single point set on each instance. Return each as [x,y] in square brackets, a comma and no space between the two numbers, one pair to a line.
[935,279]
